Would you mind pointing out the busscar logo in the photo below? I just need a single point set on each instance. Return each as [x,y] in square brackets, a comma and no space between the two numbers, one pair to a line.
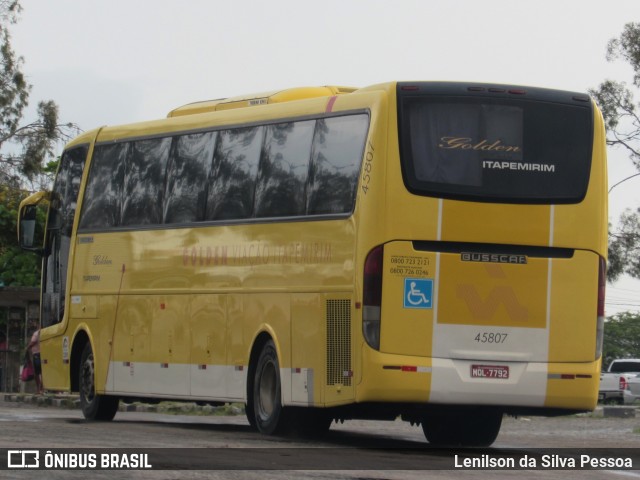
[493,258]
[23,459]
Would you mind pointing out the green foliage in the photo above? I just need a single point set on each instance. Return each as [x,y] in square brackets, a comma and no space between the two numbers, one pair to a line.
[17,268]
[616,100]
[621,337]
[52,167]
[9,202]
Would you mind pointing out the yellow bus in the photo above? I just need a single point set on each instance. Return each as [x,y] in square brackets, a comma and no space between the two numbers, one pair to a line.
[429,250]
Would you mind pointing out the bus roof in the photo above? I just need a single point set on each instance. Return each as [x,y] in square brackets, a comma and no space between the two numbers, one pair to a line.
[277,96]
[83,138]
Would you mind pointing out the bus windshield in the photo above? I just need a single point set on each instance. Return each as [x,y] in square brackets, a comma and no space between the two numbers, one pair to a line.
[518,148]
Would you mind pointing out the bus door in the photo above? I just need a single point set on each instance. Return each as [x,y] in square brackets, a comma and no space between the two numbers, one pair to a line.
[64,198]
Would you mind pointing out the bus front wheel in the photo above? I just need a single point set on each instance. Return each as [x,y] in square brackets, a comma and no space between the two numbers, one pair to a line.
[94,406]
[462,427]
[268,412]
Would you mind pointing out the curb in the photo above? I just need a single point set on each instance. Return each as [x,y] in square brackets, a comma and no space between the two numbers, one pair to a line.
[72,402]
[177,408]
[41,400]
[619,412]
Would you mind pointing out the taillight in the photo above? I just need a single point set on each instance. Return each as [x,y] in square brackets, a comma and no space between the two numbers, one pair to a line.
[624,385]
[372,296]
[602,284]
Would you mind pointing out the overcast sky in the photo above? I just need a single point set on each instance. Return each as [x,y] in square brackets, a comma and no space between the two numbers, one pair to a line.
[121,61]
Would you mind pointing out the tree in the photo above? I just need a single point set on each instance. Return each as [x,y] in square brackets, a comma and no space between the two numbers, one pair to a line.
[616,100]
[26,152]
[621,337]
[24,147]
[624,247]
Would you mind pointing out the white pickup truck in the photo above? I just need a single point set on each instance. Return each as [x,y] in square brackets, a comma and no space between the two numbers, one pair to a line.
[621,382]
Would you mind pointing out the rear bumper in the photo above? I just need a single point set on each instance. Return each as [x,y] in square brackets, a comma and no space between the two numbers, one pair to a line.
[399,378]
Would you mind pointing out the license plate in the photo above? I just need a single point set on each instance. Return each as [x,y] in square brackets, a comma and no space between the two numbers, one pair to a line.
[490,371]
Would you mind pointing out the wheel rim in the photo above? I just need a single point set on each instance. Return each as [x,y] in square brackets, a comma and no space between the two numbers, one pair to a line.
[86,388]
[267,391]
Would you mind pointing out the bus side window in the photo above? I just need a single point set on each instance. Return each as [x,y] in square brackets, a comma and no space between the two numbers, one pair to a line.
[284,167]
[144,182]
[187,174]
[103,194]
[234,173]
[338,146]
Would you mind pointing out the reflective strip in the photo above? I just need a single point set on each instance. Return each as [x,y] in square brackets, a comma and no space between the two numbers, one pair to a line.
[407,368]
[439,232]
[565,376]
[552,216]
[332,100]
[550,266]
[200,381]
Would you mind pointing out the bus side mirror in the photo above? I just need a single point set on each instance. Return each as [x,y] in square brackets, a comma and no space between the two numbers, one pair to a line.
[28,222]
[28,227]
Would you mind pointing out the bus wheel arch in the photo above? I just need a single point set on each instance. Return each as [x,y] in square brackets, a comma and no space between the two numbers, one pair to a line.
[81,339]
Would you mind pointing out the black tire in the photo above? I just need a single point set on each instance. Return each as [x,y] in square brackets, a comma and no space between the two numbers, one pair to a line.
[268,413]
[94,406]
[462,427]
[248,411]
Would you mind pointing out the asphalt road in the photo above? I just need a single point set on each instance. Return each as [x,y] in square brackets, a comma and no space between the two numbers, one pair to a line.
[228,448]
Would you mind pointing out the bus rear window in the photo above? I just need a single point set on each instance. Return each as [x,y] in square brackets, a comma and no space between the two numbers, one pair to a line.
[495,149]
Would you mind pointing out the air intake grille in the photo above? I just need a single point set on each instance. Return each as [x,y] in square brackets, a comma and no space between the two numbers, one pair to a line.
[339,342]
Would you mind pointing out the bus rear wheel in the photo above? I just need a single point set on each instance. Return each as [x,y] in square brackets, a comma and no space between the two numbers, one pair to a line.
[94,406]
[268,412]
[461,426]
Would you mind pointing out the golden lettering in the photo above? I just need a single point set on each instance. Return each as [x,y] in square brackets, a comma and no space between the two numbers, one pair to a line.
[253,254]
[467,143]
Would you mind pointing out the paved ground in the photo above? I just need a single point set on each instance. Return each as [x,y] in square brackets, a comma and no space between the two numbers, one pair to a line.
[24,424]
[607,427]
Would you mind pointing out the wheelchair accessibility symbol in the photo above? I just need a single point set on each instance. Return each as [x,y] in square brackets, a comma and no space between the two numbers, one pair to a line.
[418,293]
